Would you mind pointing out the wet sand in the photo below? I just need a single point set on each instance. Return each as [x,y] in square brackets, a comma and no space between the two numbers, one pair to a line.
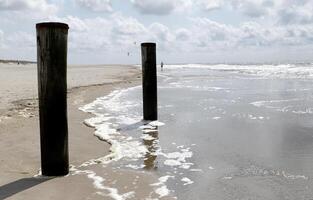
[227,134]
[252,134]
[19,125]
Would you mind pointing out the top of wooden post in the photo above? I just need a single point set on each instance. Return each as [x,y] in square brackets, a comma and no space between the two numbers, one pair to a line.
[52,25]
[148,44]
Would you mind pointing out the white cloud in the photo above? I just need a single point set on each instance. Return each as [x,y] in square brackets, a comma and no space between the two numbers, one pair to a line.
[165,7]
[162,35]
[255,34]
[296,13]
[96,5]
[282,12]
[161,32]
[40,5]
[209,4]
[253,8]
[209,34]
[161,7]
[103,34]
[182,34]
[87,34]
[1,39]
[119,33]
[267,25]
[20,40]
[126,25]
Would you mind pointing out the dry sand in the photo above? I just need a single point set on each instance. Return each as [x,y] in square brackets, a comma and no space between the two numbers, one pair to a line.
[19,143]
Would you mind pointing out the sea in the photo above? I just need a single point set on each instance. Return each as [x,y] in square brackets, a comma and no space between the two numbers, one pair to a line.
[223,131]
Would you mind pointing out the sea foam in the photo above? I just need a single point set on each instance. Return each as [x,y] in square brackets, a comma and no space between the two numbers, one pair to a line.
[264,71]
[116,114]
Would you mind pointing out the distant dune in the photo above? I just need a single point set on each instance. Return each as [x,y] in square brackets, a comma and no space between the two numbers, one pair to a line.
[22,62]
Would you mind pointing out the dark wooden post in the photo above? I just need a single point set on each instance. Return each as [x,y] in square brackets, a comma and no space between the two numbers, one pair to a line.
[52,91]
[149,81]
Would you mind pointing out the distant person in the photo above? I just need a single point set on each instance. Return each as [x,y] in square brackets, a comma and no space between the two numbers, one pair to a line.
[162,66]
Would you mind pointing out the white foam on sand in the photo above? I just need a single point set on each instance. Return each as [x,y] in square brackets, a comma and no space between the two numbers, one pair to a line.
[250,116]
[296,105]
[147,137]
[122,146]
[150,126]
[98,183]
[161,188]
[187,181]
[178,159]
[293,177]
[254,170]
[114,110]
[266,103]
[190,85]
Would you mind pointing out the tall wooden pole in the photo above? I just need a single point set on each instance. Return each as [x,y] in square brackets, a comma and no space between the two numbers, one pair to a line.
[52,91]
[149,81]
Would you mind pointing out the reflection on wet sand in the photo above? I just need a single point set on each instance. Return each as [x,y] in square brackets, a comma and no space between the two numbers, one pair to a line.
[152,144]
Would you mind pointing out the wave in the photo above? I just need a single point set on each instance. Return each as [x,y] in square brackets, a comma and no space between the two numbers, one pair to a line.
[265,71]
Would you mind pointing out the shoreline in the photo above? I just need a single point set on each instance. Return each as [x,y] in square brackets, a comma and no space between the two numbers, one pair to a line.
[24,114]
[20,154]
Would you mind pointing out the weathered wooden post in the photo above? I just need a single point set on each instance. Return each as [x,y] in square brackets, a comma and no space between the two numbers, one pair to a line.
[149,81]
[52,91]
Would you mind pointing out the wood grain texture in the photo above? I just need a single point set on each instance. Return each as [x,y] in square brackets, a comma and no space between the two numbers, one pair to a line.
[52,92]
[149,81]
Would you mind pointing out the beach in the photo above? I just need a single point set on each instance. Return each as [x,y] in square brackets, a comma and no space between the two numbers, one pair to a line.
[156,100]
[224,132]
[19,124]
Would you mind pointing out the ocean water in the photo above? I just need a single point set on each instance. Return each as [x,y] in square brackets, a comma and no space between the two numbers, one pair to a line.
[224,131]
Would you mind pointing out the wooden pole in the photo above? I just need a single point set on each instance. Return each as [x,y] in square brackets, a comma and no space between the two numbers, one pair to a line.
[52,91]
[149,81]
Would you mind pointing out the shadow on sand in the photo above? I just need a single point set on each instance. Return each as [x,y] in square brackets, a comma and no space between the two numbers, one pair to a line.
[20,185]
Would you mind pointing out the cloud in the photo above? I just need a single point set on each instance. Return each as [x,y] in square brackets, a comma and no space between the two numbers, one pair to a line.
[87,34]
[295,13]
[182,34]
[253,8]
[161,7]
[20,40]
[127,25]
[209,4]
[96,5]
[267,25]
[166,7]
[162,35]
[102,34]
[258,35]
[282,12]
[40,5]
[1,39]
[209,34]
[204,35]
[160,32]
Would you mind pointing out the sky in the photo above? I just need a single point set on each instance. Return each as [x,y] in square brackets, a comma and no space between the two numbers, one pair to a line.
[186,31]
